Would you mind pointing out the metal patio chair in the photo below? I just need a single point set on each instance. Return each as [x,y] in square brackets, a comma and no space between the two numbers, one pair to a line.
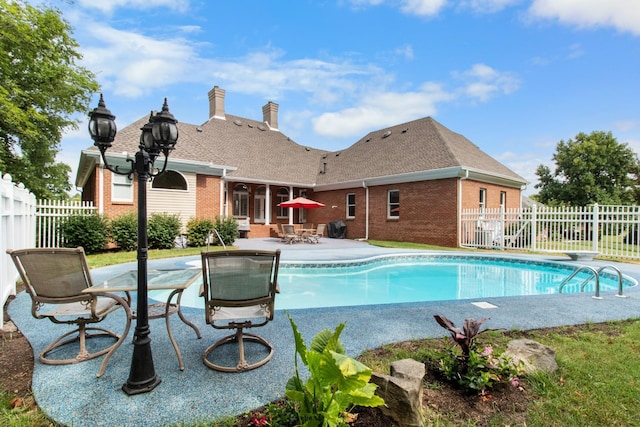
[55,279]
[239,289]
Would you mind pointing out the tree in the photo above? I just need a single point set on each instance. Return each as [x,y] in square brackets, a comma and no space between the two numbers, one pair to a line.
[591,169]
[41,87]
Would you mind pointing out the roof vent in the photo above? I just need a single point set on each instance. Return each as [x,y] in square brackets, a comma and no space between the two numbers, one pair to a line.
[260,127]
[338,153]
[250,125]
[324,156]
[237,122]
[199,129]
[367,140]
[386,134]
[405,130]
[307,149]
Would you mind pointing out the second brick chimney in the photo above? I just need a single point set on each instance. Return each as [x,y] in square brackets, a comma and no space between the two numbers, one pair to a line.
[270,115]
[216,103]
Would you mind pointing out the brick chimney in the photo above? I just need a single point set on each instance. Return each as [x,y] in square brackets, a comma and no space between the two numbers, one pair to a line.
[216,103]
[270,115]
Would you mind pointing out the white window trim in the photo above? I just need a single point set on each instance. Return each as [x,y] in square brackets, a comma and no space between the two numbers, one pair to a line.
[121,182]
[348,205]
[389,216]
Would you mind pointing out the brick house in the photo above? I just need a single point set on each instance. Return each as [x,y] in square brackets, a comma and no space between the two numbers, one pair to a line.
[236,166]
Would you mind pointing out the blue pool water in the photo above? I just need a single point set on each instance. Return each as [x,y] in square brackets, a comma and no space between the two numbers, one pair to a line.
[417,278]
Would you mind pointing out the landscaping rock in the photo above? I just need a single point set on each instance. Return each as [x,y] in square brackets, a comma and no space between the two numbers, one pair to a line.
[402,392]
[536,357]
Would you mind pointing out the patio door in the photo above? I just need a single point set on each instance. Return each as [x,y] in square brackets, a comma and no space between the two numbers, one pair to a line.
[259,205]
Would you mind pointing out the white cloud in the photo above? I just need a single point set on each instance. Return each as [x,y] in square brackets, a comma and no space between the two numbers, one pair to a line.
[482,82]
[623,15]
[488,6]
[422,7]
[133,64]
[378,110]
[110,5]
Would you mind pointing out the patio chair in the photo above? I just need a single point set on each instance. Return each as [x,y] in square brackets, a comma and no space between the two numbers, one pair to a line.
[290,234]
[239,289]
[55,279]
[315,237]
[280,231]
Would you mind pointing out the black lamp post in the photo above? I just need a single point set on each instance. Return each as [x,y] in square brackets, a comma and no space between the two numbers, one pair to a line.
[159,135]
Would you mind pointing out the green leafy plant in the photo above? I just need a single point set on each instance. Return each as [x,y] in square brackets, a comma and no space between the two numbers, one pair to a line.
[88,231]
[124,231]
[227,227]
[163,228]
[336,382]
[470,368]
[198,231]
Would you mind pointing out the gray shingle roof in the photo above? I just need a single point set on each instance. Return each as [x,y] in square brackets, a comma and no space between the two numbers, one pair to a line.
[264,155]
[420,145]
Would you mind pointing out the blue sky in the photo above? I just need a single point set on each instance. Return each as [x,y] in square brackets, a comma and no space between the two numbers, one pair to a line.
[513,76]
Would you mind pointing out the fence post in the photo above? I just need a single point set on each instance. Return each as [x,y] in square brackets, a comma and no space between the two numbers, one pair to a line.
[594,227]
[17,231]
[534,227]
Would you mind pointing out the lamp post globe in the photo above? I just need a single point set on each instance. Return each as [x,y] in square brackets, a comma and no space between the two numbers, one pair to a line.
[102,126]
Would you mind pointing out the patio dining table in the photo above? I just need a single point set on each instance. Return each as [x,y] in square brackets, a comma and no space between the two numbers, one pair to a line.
[176,280]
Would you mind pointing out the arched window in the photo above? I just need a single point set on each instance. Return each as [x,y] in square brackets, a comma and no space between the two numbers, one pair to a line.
[240,200]
[170,180]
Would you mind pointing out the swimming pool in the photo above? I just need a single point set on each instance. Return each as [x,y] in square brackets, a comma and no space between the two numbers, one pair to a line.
[397,279]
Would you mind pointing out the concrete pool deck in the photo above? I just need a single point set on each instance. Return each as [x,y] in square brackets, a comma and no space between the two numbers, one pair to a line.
[72,395]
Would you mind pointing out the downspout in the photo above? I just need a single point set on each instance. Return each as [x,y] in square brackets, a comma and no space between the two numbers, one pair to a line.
[366,210]
[459,227]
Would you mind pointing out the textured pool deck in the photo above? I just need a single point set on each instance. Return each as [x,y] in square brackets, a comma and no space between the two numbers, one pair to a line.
[73,396]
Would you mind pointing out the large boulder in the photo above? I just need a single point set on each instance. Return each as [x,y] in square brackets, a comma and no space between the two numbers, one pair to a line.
[402,392]
[535,356]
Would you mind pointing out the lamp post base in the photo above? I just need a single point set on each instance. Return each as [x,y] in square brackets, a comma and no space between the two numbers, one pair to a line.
[142,376]
[131,389]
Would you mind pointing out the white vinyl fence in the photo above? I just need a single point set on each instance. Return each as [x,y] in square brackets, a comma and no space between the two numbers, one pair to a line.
[51,213]
[608,230]
[17,231]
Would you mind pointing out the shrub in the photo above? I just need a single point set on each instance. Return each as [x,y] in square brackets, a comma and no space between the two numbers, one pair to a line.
[198,231]
[472,369]
[124,231]
[88,231]
[227,227]
[162,231]
[336,383]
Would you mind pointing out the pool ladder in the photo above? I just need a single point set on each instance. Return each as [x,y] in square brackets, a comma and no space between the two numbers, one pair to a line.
[594,273]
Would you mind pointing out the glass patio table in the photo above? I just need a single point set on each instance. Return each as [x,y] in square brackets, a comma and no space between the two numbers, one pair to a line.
[178,280]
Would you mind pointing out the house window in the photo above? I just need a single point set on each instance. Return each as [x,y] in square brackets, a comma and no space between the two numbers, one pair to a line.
[503,199]
[351,205]
[121,188]
[483,198]
[282,196]
[393,204]
[170,180]
[240,200]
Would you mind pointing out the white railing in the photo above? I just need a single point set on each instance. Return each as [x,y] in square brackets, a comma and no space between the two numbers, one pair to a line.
[17,231]
[50,215]
[609,230]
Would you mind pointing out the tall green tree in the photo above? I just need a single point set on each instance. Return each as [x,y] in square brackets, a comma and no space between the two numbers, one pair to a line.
[41,87]
[592,168]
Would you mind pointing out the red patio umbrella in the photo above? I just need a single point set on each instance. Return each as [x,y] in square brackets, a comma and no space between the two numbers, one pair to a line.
[301,202]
